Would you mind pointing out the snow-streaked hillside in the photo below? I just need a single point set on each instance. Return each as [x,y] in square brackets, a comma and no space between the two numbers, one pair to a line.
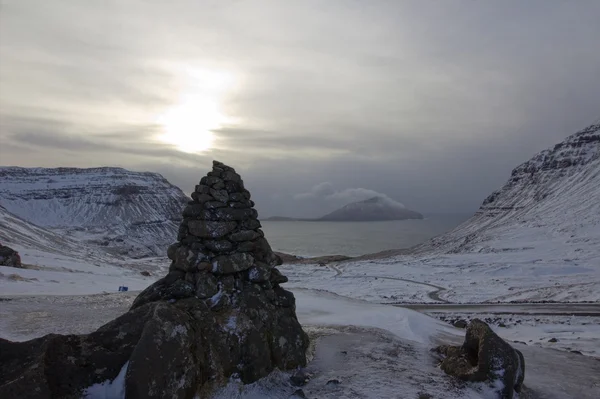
[373,209]
[550,201]
[130,213]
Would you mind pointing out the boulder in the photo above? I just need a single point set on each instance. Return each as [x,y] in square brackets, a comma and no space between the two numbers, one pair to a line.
[484,356]
[9,257]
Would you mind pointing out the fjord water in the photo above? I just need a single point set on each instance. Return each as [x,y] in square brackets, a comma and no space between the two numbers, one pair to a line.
[309,239]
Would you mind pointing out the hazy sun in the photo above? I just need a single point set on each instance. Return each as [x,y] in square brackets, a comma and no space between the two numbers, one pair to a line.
[189,124]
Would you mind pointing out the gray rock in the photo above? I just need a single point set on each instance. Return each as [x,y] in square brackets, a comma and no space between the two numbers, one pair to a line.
[185,259]
[251,224]
[201,198]
[240,205]
[231,176]
[234,187]
[277,278]
[298,394]
[259,273]
[156,340]
[246,246]
[214,204]
[172,249]
[218,246]
[163,290]
[239,197]
[231,214]
[244,235]
[9,257]
[206,285]
[210,229]
[220,195]
[204,266]
[460,324]
[264,253]
[237,262]
[300,378]
[202,189]
[219,186]
[210,180]
[484,356]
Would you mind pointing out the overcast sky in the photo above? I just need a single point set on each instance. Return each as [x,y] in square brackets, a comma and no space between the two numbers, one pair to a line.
[315,103]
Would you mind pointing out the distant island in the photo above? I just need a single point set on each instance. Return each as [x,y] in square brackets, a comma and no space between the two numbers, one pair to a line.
[371,210]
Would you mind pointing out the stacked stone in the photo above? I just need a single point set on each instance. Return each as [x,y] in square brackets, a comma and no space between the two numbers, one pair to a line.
[220,244]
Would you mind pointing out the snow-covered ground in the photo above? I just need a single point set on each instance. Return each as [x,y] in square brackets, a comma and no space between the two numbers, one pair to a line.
[358,350]
[51,273]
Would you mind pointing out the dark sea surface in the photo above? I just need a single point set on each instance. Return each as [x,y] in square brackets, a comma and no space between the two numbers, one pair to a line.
[305,238]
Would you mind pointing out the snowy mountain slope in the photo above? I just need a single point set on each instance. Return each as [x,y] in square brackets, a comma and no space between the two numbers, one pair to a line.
[16,231]
[550,201]
[130,213]
[373,209]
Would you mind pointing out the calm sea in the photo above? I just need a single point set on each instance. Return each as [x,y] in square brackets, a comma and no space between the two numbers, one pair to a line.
[355,238]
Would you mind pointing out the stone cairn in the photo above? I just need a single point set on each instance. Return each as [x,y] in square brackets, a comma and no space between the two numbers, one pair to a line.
[219,245]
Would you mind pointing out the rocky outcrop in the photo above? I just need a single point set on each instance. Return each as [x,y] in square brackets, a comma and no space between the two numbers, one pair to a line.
[9,257]
[220,312]
[484,356]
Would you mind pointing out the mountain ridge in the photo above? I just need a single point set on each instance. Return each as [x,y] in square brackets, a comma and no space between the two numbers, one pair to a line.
[127,213]
[552,196]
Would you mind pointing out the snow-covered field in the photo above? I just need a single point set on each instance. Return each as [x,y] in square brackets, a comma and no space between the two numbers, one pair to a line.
[359,349]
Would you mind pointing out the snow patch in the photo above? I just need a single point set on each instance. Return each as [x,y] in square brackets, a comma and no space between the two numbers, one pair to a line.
[108,389]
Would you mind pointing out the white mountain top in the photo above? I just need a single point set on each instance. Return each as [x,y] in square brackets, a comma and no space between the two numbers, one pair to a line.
[373,209]
[128,212]
[553,199]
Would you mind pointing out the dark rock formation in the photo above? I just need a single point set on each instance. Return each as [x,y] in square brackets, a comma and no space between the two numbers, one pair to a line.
[219,312]
[9,257]
[484,356]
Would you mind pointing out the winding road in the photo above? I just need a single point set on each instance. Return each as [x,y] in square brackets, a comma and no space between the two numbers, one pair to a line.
[433,295]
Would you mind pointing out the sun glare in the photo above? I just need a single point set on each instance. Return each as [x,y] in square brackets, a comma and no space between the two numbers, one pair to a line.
[189,124]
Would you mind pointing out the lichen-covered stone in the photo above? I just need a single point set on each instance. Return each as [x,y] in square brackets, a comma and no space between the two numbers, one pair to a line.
[206,285]
[234,187]
[484,356]
[202,198]
[237,262]
[202,189]
[244,235]
[251,224]
[172,249]
[277,278]
[220,195]
[259,273]
[238,197]
[218,246]
[185,258]
[214,204]
[210,229]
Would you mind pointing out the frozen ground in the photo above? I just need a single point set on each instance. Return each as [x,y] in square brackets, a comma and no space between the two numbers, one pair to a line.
[359,349]
[519,275]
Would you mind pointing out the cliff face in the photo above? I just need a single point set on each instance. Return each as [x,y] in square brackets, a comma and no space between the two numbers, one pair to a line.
[131,213]
[553,195]
[373,209]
